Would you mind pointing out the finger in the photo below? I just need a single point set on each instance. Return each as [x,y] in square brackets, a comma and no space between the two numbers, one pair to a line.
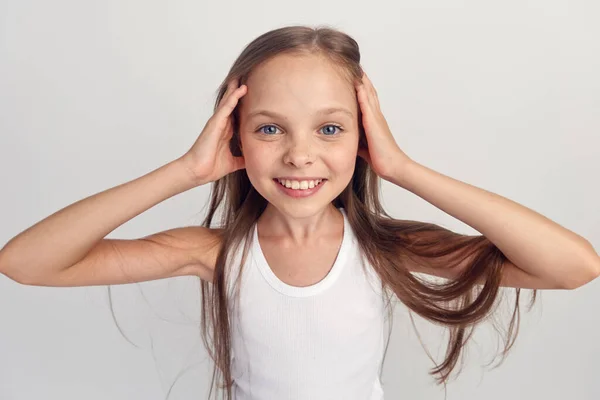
[231,85]
[228,129]
[360,92]
[372,92]
[363,99]
[364,90]
[372,85]
[228,104]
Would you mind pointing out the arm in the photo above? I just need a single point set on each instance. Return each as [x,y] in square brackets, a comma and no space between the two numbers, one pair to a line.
[190,250]
[542,253]
[67,248]
[63,239]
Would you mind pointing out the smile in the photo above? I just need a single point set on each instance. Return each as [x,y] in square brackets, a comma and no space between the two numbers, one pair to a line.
[296,189]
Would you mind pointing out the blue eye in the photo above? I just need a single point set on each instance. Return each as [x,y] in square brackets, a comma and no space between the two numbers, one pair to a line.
[335,126]
[330,133]
[266,126]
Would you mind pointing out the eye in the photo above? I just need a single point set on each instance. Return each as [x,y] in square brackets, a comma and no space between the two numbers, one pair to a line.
[330,132]
[266,126]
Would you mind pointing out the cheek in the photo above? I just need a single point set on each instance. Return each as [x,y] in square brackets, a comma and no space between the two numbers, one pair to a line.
[258,162]
[342,161]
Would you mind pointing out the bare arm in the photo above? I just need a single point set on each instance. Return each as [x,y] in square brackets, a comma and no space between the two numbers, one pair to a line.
[67,248]
[512,276]
[64,238]
[190,250]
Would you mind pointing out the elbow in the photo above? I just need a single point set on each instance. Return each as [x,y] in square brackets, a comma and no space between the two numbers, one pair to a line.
[7,269]
[594,263]
[589,268]
[572,284]
[4,270]
[23,280]
[595,270]
[588,273]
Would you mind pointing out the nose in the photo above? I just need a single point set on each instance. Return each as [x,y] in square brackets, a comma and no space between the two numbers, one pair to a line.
[299,153]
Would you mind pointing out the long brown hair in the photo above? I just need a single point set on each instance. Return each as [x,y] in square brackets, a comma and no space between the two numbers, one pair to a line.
[391,246]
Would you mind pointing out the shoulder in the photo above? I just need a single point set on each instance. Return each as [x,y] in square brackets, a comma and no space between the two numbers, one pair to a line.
[202,245]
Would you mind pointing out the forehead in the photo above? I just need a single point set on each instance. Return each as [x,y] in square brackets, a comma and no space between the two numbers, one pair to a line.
[293,84]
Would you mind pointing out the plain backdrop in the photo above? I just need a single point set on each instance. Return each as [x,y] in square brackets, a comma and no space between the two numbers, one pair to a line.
[502,95]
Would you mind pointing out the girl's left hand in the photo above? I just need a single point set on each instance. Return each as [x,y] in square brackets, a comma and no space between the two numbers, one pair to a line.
[382,153]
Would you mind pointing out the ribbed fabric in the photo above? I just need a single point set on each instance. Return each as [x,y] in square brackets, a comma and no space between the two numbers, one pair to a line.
[320,342]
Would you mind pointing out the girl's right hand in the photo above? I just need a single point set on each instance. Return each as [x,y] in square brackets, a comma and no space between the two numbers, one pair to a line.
[210,158]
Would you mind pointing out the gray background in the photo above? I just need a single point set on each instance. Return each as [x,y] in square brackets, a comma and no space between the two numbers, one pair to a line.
[502,95]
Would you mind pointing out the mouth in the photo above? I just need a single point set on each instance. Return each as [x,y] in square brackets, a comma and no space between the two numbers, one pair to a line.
[299,189]
[297,184]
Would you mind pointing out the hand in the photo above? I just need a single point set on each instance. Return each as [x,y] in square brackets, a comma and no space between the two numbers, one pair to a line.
[382,153]
[210,158]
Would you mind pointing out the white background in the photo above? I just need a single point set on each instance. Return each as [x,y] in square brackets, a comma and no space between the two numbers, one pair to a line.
[504,95]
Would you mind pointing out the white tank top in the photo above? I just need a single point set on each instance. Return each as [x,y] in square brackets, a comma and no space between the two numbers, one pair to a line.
[319,342]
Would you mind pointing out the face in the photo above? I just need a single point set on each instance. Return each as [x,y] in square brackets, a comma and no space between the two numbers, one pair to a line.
[299,122]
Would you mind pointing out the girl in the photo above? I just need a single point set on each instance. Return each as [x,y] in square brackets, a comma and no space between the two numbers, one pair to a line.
[298,275]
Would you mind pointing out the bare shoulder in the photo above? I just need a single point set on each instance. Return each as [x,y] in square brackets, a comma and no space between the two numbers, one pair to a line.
[200,244]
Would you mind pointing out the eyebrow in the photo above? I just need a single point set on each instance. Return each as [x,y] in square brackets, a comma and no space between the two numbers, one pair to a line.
[324,111]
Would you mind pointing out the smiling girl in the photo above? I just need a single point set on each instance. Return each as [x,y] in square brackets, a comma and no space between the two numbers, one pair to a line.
[298,275]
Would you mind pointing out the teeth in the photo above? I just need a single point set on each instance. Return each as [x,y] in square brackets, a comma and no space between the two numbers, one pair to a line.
[301,185]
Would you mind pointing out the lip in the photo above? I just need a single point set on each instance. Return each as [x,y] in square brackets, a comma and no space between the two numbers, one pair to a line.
[299,193]
[299,178]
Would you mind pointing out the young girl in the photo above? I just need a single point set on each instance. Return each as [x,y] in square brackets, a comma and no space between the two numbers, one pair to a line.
[297,277]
